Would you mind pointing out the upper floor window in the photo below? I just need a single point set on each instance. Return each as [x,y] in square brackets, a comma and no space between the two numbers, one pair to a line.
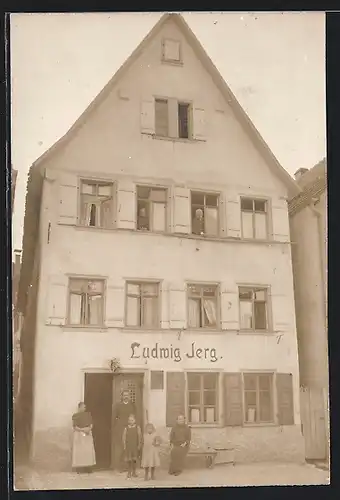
[204,214]
[96,204]
[202,394]
[258,398]
[171,51]
[202,306]
[253,308]
[172,118]
[254,218]
[86,302]
[151,209]
[142,304]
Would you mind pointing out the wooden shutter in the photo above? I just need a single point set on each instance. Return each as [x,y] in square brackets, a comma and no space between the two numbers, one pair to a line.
[222,215]
[285,403]
[68,199]
[230,319]
[126,205]
[233,216]
[115,301]
[280,312]
[175,396]
[280,220]
[148,116]
[173,117]
[182,219]
[178,310]
[199,123]
[165,298]
[57,296]
[233,399]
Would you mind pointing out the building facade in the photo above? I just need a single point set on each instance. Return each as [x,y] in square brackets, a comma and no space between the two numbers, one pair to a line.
[161,263]
[308,220]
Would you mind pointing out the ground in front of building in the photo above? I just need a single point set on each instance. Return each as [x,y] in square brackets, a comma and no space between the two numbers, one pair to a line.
[259,474]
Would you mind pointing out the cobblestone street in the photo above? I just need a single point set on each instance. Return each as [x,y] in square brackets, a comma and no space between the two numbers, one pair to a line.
[263,474]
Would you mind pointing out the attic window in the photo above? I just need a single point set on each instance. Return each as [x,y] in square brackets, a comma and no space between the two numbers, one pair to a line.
[171,51]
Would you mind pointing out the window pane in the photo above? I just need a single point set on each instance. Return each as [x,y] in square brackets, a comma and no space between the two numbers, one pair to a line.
[143,192]
[250,398]
[105,190]
[209,381]
[95,313]
[150,288]
[150,312]
[250,416]
[183,120]
[106,213]
[210,312]
[158,217]
[260,294]
[195,416]
[161,117]
[209,291]
[209,398]
[194,398]
[249,381]
[133,289]
[158,195]
[260,316]
[197,199]
[210,415]
[194,381]
[264,382]
[260,205]
[194,290]
[194,313]
[247,224]
[260,226]
[197,221]
[246,313]
[245,293]
[78,285]
[143,219]
[265,406]
[133,311]
[211,200]
[211,221]
[88,188]
[246,204]
[75,309]
[95,286]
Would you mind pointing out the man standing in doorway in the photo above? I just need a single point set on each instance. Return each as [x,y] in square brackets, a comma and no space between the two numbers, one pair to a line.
[121,413]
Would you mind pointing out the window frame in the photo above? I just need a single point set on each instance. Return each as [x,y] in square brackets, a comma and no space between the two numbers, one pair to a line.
[218,305]
[219,401]
[158,309]
[178,101]
[176,62]
[273,392]
[254,199]
[218,208]
[69,293]
[267,290]
[97,182]
[167,215]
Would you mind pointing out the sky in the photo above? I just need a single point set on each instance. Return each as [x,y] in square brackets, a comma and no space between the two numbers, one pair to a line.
[273,62]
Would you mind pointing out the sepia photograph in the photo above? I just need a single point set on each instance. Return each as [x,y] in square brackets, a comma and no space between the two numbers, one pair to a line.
[169,250]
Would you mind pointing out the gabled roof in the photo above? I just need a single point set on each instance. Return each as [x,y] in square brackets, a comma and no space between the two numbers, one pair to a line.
[313,183]
[241,115]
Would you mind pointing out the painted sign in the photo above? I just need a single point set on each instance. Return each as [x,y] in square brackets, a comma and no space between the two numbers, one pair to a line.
[174,353]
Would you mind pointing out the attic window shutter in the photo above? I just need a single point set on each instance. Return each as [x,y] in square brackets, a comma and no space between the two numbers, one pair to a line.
[199,123]
[115,300]
[233,406]
[68,199]
[171,50]
[57,295]
[233,216]
[175,397]
[280,221]
[148,116]
[285,404]
[182,220]
[126,205]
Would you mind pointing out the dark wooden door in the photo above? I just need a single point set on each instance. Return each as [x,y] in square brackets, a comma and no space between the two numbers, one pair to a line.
[98,399]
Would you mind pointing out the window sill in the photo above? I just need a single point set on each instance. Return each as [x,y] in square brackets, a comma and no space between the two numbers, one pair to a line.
[172,62]
[256,332]
[131,329]
[268,424]
[175,139]
[94,228]
[87,328]
[205,426]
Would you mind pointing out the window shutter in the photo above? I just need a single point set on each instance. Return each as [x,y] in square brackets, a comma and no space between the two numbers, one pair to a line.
[181,211]
[285,404]
[199,124]
[222,216]
[230,319]
[148,116]
[233,405]
[175,396]
[280,312]
[115,301]
[280,221]
[233,215]
[57,295]
[178,311]
[165,297]
[173,117]
[68,199]
[126,205]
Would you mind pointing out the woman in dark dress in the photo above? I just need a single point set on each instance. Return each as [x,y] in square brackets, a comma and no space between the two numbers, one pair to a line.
[132,444]
[180,438]
[121,413]
[83,453]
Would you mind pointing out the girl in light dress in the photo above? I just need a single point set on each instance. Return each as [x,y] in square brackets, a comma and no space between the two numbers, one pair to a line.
[150,456]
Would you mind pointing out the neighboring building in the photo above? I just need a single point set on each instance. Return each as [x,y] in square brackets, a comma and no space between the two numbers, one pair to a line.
[16,324]
[156,256]
[308,219]
[13,186]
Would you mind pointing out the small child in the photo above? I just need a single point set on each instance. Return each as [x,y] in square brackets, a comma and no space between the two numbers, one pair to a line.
[132,441]
[150,457]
